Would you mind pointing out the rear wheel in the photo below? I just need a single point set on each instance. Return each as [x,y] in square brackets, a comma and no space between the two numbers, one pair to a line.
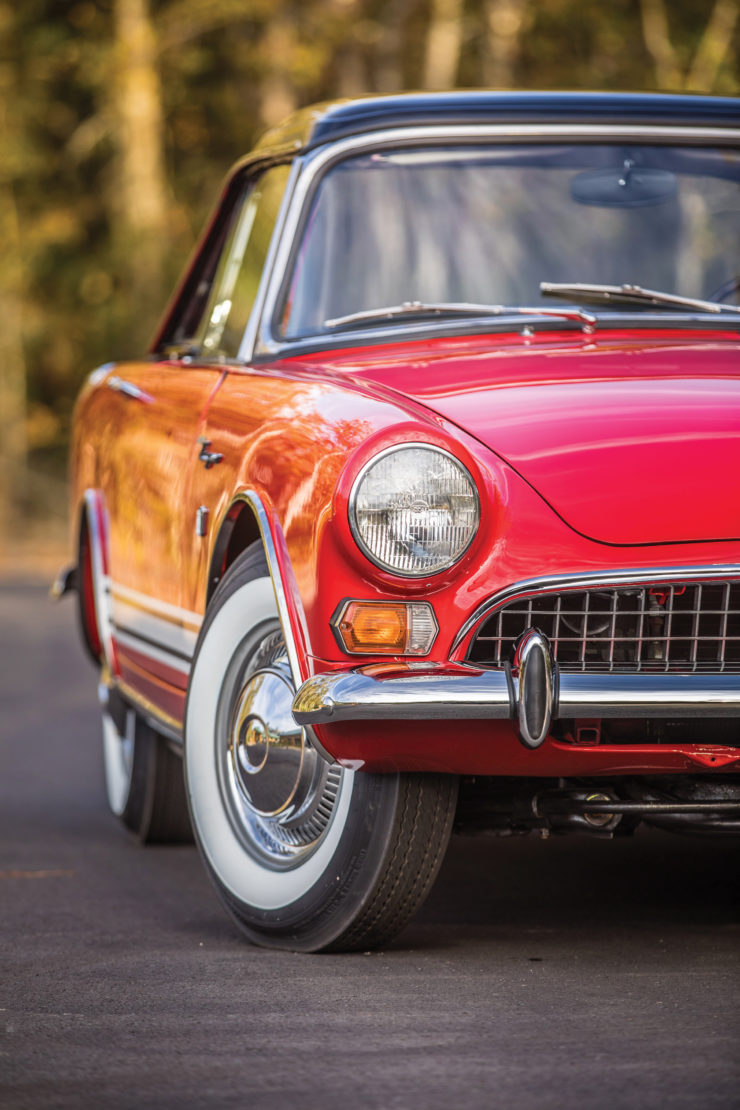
[304,854]
[143,776]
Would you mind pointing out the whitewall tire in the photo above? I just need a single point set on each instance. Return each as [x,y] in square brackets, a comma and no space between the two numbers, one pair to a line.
[143,776]
[304,854]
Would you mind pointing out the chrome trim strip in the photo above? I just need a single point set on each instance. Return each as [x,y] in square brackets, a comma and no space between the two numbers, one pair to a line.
[174,614]
[157,718]
[575,582]
[166,632]
[312,164]
[160,653]
[358,695]
[129,389]
[251,498]
[643,695]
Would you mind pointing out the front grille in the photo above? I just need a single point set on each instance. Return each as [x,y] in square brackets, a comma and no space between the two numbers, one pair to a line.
[684,626]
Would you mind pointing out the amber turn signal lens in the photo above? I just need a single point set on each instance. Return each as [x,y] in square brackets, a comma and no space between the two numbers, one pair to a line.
[387,628]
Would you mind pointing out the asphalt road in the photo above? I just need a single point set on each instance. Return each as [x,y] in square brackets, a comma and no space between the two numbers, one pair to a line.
[566,973]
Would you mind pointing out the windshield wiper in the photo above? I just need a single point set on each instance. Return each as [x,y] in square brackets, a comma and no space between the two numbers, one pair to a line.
[628,294]
[420,308]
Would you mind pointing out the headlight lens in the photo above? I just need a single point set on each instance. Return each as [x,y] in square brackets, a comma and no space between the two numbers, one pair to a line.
[414,510]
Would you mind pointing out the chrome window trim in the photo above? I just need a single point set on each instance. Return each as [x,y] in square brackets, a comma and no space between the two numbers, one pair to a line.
[309,167]
[529,587]
[247,345]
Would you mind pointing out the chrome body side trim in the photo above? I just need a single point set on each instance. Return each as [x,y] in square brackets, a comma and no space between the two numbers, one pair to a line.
[262,342]
[254,501]
[529,587]
[129,389]
[464,692]
[251,498]
[155,717]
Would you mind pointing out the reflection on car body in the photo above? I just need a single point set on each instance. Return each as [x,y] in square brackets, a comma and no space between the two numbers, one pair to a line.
[422,509]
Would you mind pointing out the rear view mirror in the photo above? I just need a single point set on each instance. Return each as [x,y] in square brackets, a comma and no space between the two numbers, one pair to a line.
[628,187]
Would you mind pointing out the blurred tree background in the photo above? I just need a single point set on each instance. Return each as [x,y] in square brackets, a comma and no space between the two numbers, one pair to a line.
[119,118]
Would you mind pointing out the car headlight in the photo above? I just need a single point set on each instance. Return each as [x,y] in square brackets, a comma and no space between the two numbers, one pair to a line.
[414,510]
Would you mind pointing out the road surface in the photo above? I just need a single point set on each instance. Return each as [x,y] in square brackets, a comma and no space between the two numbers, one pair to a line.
[547,975]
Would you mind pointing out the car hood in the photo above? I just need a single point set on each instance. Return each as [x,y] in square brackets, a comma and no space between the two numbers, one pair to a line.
[631,441]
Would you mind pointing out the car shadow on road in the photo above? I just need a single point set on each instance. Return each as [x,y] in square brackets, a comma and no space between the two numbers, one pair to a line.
[651,881]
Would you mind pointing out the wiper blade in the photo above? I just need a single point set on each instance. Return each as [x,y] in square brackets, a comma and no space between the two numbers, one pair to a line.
[628,294]
[421,308]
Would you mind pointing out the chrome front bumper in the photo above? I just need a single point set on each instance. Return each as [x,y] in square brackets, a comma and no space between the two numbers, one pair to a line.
[533,694]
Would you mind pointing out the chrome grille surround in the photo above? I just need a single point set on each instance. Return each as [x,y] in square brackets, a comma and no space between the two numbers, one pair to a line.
[675,621]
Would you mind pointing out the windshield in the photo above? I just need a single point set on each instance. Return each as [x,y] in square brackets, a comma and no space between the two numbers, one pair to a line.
[486,225]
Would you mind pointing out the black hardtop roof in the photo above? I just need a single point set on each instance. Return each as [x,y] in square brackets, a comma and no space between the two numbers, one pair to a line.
[323,123]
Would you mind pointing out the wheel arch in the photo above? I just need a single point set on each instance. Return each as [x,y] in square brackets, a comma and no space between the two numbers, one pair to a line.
[248,520]
[239,530]
[92,594]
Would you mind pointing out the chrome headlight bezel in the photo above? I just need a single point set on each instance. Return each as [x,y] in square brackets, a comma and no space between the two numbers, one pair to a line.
[375,559]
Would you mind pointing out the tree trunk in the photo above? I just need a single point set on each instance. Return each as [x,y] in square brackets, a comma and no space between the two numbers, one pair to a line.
[141,181]
[388,55]
[657,38]
[13,450]
[505,21]
[277,94]
[715,44]
[444,43]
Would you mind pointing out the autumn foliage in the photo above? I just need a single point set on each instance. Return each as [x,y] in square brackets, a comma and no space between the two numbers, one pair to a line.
[118,118]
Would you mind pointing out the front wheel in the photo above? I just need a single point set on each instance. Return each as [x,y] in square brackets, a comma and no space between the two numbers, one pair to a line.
[304,854]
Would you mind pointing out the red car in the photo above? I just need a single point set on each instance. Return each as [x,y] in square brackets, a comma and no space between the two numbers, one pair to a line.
[422,511]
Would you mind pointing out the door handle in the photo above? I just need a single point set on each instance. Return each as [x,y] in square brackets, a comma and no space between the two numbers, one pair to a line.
[208,458]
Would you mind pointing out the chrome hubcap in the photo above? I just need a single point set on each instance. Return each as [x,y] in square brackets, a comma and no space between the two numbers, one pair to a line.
[267,747]
[280,793]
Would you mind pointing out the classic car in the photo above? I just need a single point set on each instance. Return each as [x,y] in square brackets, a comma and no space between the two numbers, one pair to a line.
[422,510]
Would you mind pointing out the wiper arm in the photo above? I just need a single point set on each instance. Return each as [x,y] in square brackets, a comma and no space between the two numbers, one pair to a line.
[420,308]
[628,294]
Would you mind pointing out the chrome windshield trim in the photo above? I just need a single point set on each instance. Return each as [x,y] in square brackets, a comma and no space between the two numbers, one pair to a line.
[618,578]
[249,339]
[309,166]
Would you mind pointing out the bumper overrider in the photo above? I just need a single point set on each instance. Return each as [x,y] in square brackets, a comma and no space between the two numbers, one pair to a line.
[532,692]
